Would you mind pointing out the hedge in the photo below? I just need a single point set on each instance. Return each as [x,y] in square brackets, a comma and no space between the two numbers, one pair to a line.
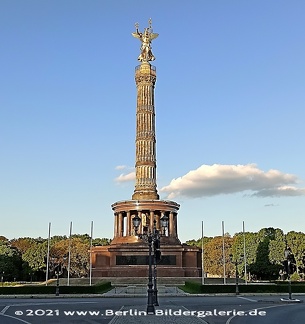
[40,289]
[197,288]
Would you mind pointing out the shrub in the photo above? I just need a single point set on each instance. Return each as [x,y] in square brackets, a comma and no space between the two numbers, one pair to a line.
[295,277]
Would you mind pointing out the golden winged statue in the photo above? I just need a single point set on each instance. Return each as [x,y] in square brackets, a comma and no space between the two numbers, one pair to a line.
[146,37]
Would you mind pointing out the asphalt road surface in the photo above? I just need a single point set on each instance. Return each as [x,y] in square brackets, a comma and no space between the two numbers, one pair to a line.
[203,309]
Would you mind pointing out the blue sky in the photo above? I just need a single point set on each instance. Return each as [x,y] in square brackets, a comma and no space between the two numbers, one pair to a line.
[230,114]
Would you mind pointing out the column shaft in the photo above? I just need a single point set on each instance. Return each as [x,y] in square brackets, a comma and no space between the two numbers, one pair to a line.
[140,231]
[171,224]
[115,225]
[158,221]
[152,217]
[128,225]
[120,226]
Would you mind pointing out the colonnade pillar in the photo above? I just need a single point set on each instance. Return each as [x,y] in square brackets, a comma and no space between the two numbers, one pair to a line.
[120,225]
[128,223]
[171,224]
[151,218]
[115,225]
[176,225]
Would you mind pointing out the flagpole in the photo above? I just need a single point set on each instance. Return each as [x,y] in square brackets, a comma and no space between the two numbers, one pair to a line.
[202,255]
[245,255]
[90,269]
[69,254]
[223,252]
[48,254]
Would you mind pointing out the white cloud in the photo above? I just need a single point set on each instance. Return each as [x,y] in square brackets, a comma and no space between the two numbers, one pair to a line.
[281,191]
[126,177]
[211,180]
[121,167]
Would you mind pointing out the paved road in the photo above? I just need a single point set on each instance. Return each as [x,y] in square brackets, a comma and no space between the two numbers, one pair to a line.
[204,309]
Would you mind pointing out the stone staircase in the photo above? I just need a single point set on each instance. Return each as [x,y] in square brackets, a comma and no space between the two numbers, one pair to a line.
[166,281]
[141,290]
[162,281]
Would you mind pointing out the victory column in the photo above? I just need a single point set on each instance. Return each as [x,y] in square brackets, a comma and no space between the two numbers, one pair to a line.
[126,256]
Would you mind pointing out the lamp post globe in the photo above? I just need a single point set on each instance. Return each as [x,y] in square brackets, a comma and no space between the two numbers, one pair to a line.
[164,222]
[136,221]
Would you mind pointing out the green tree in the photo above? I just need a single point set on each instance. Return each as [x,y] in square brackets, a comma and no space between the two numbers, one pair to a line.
[197,242]
[79,256]
[296,241]
[277,248]
[263,268]
[22,244]
[192,242]
[10,262]
[213,256]
[34,259]
[251,244]
[101,241]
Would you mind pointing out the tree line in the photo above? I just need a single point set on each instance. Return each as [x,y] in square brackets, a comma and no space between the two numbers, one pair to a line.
[265,254]
[25,259]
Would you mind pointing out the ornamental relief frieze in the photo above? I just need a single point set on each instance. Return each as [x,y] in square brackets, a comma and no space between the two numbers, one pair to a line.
[145,188]
[142,183]
[145,134]
[145,108]
[145,79]
[146,159]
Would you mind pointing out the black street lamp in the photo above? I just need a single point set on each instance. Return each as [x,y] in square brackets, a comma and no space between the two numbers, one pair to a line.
[236,263]
[58,272]
[153,240]
[289,264]
[288,258]
[157,252]
[57,266]
[289,268]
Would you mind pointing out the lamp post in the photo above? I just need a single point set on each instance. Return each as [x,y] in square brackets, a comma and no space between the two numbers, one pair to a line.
[288,257]
[57,267]
[58,272]
[157,252]
[236,263]
[153,240]
[289,263]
